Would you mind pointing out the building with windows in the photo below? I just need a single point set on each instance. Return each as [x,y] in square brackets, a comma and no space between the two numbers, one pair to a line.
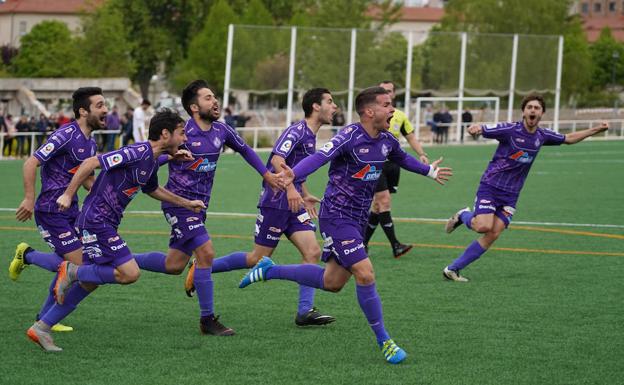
[598,14]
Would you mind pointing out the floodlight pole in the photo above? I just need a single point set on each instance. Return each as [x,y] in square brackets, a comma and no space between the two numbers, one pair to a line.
[408,80]
[462,72]
[228,66]
[558,86]
[351,75]
[291,74]
[512,78]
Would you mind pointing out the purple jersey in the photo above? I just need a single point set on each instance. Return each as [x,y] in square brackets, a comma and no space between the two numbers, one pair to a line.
[516,151]
[60,156]
[294,144]
[356,163]
[193,180]
[124,172]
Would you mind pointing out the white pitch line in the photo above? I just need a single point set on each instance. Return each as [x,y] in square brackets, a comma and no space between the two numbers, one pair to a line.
[251,215]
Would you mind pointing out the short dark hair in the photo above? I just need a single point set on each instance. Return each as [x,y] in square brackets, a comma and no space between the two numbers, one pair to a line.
[189,94]
[388,82]
[314,95]
[368,96]
[164,119]
[81,98]
[531,97]
[146,102]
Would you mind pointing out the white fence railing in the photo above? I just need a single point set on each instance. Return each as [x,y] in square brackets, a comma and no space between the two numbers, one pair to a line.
[263,138]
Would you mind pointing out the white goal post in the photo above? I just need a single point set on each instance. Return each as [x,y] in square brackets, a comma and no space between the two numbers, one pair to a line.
[459,101]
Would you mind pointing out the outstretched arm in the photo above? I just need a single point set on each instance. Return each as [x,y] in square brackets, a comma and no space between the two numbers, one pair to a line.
[578,136]
[84,171]
[416,146]
[25,210]
[165,195]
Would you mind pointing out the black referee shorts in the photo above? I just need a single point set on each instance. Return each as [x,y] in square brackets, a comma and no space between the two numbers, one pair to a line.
[389,178]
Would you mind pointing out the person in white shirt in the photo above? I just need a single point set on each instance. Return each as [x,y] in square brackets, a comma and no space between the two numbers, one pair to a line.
[139,121]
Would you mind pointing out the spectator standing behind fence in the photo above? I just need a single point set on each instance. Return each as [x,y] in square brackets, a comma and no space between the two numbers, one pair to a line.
[113,122]
[436,126]
[22,140]
[466,120]
[139,119]
[10,134]
[42,128]
[126,128]
[62,119]
[447,119]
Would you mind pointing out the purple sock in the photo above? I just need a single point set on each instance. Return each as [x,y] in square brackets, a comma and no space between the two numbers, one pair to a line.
[48,261]
[306,274]
[98,274]
[471,254]
[204,288]
[235,261]
[370,303]
[152,261]
[306,299]
[466,218]
[75,294]
[49,300]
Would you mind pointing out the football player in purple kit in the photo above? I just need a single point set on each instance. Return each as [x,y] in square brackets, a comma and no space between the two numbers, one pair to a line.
[106,256]
[357,154]
[495,202]
[59,158]
[289,212]
[193,180]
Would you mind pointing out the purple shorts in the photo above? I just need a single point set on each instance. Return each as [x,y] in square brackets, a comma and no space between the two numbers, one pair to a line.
[343,241]
[492,200]
[187,229]
[58,231]
[103,246]
[271,223]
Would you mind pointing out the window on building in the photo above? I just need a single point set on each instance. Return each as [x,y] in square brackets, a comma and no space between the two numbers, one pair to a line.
[585,8]
[597,7]
[612,6]
[22,27]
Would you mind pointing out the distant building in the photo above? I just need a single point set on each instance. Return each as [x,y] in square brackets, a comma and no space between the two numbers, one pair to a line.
[17,17]
[416,15]
[598,14]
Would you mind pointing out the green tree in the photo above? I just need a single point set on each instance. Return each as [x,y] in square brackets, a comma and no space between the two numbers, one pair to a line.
[105,45]
[608,58]
[541,17]
[48,50]
[207,50]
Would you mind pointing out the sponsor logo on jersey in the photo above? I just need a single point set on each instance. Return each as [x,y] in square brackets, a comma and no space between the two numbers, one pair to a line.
[272,237]
[88,237]
[347,242]
[142,148]
[192,219]
[348,130]
[131,192]
[195,144]
[275,229]
[81,150]
[203,165]
[68,130]
[73,170]
[92,252]
[47,149]
[119,247]
[327,147]
[114,159]
[364,150]
[113,239]
[65,235]
[195,226]
[353,249]
[44,233]
[285,147]
[304,217]
[519,140]
[143,172]
[537,142]
[216,142]
[65,243]
[367,173]
[171,219]
[522,157]
[384,150]
[485,201]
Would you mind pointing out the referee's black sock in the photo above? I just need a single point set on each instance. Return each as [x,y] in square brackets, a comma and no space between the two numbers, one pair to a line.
[373,221]
[385,219]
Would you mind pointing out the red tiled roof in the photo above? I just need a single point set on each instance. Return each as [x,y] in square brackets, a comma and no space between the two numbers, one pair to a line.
[414,14]
[47,6]
[594,25]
